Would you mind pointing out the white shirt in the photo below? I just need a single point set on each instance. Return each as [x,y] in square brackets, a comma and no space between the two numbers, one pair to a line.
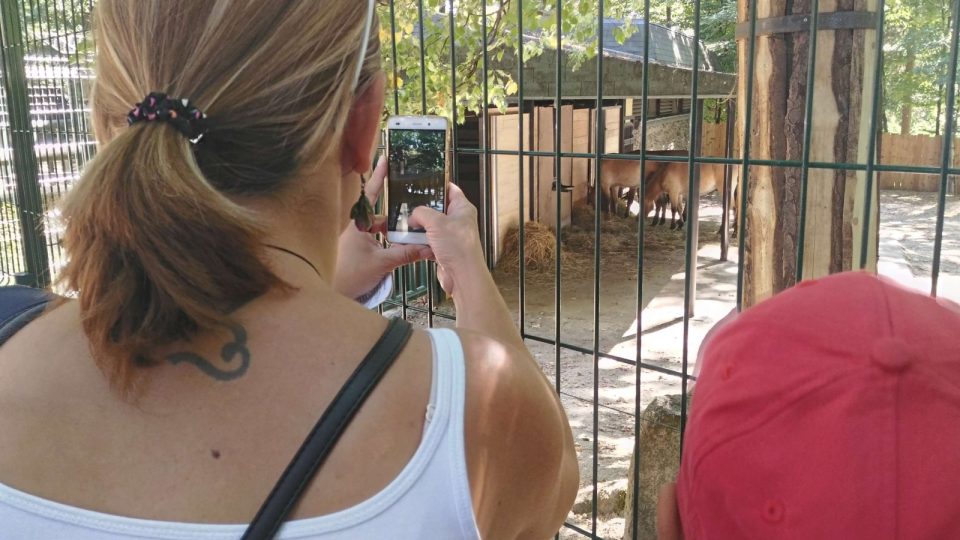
[430,498]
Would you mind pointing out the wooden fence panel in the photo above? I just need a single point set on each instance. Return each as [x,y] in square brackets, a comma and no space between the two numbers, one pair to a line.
[582,142]
[715,140]
[915,150]
[506,180]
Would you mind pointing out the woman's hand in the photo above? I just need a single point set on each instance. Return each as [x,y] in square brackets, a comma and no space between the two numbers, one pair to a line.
[453,238]
[362,263]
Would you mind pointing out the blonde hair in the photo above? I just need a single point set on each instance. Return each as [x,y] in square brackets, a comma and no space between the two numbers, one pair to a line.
[158,251]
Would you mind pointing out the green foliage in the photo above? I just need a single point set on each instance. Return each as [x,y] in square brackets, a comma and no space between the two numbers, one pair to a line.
[917,32]
[62,26]
[718,20]
[578,27]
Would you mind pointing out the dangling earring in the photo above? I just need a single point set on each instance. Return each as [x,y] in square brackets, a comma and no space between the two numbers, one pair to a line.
[362,211]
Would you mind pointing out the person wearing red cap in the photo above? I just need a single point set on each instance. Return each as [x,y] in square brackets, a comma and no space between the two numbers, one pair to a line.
[831,411]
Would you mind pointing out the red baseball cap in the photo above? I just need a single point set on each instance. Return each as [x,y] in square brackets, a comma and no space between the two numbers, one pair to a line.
[831,411]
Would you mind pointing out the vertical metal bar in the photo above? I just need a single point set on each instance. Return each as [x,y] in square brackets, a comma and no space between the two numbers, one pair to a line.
[453,94]
[487,188]
[808,131]
[693,192]
[393,49]
[745,142]
[641,233]
[423,110]
[423,64]
[946,155]
[24,159]
[727,181]
[56,154]
[521,301]
[872,144]
[556,179]
[691,212]
[598,153]
[396,110]
[693,206]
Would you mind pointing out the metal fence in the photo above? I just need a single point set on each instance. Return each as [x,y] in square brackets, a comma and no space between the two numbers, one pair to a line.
[44,131]
[46,140]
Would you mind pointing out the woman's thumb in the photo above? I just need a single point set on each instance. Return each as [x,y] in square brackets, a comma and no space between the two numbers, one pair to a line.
[424,217]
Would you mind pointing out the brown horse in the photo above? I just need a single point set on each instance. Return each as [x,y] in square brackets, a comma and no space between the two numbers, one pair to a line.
[673,180]
[619,174]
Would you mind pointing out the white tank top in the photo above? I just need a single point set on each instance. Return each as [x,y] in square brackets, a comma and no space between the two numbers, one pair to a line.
[430,498]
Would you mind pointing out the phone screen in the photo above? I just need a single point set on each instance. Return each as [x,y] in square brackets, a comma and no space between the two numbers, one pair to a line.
[417,174]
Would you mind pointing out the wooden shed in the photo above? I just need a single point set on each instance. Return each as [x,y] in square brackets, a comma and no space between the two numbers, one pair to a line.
[669,109]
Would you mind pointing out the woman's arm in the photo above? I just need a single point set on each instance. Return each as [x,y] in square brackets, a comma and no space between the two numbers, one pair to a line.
[463,274]
[523,462]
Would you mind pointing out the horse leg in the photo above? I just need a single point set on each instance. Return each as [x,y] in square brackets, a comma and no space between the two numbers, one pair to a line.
[631,196]
[614,198]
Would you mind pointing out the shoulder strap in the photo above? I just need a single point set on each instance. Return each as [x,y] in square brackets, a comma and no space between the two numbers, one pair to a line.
[327,431]
[18,307]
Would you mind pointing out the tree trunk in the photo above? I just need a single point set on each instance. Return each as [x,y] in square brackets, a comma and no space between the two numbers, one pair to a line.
[842,97]
[906,111]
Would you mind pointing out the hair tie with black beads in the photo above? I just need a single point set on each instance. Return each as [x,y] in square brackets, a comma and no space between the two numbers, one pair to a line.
[189,120]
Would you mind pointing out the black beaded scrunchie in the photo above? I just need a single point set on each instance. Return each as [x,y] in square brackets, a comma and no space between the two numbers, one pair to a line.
[189,120]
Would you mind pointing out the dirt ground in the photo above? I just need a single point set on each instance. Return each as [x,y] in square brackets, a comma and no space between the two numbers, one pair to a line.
[661,338]
[907,234]
[906,247]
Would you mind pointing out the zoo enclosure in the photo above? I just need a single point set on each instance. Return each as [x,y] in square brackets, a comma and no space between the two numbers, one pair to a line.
[46,140]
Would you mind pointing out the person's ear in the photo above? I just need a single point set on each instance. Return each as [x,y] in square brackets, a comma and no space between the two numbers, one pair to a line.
[668,514]
[362,131]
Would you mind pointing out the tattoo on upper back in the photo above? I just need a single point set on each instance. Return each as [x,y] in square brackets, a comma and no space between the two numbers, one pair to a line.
[234,355]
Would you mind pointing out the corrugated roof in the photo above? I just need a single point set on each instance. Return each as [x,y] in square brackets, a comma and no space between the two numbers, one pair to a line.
[667,47]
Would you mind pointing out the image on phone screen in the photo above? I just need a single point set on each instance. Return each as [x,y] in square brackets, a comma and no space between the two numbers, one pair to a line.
[416,176]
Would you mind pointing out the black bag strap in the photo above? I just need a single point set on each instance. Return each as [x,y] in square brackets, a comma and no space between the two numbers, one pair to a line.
[327,431]
[18,307]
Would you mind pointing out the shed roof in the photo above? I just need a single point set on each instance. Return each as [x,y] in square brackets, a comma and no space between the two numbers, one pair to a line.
[668,47]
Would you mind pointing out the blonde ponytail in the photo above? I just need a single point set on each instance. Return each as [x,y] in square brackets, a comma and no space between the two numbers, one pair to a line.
[156,252]
[158,249]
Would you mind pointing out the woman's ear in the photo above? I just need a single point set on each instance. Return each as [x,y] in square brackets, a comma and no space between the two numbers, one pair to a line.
[363,128]
[668,514]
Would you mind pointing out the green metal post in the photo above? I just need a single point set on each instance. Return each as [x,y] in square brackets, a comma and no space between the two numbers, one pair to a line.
[24,159]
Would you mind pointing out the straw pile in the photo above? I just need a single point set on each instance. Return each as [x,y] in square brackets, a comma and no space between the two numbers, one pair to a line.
[618,235]
[540,249]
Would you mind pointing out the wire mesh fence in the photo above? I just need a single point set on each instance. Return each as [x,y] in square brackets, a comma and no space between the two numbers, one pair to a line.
[48,55]
[549,99]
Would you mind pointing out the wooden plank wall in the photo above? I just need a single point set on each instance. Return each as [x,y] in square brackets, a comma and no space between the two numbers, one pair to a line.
[546,209]
[505,177]
[915,150]
[907,150]
[577,135]
[715,140]
[582,142]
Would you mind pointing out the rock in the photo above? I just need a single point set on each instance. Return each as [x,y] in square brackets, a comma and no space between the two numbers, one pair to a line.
[659,462]
[611,498]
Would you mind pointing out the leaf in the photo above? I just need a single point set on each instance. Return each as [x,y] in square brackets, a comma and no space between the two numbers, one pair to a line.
[511,88]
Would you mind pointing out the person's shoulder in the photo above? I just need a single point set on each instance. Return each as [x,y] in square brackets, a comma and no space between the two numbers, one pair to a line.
[515,421]
[506,379]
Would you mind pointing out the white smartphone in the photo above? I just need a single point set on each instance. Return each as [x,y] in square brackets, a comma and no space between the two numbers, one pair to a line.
[417,173]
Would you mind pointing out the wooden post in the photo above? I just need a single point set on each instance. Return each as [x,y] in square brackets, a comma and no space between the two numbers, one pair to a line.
[843,95]
[693,208]
[727,188]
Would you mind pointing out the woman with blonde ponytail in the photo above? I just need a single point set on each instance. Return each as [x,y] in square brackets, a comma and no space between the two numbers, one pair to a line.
[214,372]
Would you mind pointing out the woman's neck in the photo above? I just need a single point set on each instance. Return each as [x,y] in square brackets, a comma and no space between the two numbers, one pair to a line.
[305,222]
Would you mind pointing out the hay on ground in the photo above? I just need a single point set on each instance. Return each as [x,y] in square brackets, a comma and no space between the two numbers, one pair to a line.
[540,249]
